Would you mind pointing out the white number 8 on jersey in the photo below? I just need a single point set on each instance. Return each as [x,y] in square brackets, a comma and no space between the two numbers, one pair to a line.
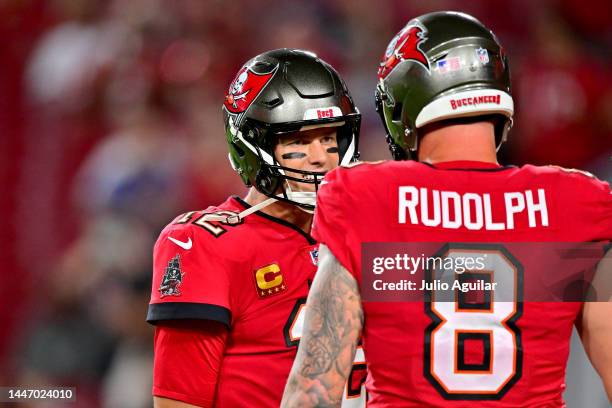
[458,322]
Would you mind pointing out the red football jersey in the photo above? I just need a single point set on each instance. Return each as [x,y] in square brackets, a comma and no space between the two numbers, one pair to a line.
[448,354]
[253,277]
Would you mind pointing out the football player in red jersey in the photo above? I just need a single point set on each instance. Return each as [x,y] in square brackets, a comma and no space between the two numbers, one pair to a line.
[230,282]
[444,97]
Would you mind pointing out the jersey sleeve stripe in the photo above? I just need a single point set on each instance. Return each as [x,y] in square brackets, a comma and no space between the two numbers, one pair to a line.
[185,310]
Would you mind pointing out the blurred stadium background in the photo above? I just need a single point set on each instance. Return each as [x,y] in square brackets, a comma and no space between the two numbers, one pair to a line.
[110,124]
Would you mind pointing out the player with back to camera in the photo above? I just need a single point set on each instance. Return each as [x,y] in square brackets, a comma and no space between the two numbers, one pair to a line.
[230,282]
[444,98]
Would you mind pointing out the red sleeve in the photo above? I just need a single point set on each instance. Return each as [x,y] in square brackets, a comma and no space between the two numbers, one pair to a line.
[602,205]
[331,221]
[188,357]
[190,277]
[593,202]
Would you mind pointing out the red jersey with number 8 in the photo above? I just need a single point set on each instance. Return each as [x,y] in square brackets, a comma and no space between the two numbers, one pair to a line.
[457,352]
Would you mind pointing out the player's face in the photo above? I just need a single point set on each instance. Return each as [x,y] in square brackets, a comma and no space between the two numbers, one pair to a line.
[310,150]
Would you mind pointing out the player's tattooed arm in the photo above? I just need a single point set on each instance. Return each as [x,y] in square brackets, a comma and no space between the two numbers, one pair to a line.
[594,324]
[332,327]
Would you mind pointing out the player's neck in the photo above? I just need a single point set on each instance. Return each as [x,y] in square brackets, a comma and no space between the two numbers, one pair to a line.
[282,210]
[461,142]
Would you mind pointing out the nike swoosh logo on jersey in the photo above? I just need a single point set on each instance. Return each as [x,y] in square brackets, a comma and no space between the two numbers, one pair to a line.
[185,245]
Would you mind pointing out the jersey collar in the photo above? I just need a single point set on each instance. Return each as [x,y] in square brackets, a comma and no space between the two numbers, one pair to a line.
[467,165]
[280,221]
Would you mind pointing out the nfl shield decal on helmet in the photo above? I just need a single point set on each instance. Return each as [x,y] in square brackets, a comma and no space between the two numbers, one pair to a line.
[245,88]
[483,55]
[173,278]
[405,46]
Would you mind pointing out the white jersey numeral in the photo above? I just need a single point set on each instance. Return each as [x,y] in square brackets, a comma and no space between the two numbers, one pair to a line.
[458,323]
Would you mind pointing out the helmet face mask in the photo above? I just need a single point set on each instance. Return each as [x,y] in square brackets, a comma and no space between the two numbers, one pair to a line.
[286,91]
[441,66]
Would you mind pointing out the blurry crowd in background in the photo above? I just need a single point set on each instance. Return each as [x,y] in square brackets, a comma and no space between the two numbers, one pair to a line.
[110,125]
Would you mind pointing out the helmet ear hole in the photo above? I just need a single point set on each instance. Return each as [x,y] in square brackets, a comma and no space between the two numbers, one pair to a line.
[397,112]
[238,150]
[266,182]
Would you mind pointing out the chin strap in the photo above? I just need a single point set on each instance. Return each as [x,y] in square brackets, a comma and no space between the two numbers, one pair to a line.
[305,198]
[302,197]
[236,219]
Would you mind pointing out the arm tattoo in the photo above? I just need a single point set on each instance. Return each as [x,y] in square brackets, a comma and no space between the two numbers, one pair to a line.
[334,318]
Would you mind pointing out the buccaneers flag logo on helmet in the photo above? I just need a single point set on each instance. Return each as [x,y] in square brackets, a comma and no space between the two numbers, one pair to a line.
[245,88]
[404,46]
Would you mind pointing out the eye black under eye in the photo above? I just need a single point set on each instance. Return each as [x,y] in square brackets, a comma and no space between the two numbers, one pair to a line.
[293,155]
